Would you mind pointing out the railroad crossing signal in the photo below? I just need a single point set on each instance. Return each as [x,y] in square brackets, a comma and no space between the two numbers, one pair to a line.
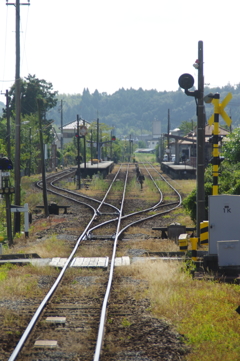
[219,109]
[214,120]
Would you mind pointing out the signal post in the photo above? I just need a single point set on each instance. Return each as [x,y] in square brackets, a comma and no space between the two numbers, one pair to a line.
[6,190]
[214,120]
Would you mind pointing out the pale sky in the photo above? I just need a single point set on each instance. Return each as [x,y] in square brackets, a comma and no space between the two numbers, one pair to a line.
[112,44]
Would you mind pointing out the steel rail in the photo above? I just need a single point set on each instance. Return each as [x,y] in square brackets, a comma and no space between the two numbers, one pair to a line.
[47,297]
[60,176]
[106,297]
[153,208]
[86,197]
[50,293]
[134,213]
[170,185]
[159,190]
[53,288]
[118,233]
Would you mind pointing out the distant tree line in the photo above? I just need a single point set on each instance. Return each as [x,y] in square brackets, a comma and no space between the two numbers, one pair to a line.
[132,111]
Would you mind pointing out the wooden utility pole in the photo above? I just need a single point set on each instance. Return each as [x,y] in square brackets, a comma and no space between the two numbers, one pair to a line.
[62,129]
[84,150]
[168,139]
[8,126]
[91,147]
[98,142]
[18,116]
[78,155]
[8,137]
[45,202]
[17,123]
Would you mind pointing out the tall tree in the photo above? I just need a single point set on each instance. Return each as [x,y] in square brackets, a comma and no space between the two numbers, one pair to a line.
[33,88]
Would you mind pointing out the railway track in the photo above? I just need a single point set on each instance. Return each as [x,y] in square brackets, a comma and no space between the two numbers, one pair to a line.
[76,311]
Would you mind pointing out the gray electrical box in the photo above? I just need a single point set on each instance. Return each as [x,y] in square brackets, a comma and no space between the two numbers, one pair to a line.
[228,253]
[224,220]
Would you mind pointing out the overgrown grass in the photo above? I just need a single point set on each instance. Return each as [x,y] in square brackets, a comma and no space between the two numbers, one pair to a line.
[98,183]
[22,282]
[50,247]
[141,157]
[203,312]
[118,186]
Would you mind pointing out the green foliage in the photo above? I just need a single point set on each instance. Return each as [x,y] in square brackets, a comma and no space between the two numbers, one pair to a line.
[190,203]
[98,183]
[32,89]
[186,127]
[125,322]
[143,157]
[4,269]
[131,110]
[229,183]
[231,147]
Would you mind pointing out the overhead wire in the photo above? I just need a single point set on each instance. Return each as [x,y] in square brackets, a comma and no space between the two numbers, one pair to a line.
[5,53]
[5,46]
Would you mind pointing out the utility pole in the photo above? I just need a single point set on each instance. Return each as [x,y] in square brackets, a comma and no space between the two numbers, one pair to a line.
[78,155]
[8,137]
[130,150]
[200,142]
[30,151]
[186,82]
[8,127]
[168,141]
[45,203]
[111,144]
[62,129]
[84,150]
[91,147]
[98,145]
[18,116]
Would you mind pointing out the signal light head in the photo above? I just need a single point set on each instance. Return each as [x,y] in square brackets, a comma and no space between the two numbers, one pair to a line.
[5,163]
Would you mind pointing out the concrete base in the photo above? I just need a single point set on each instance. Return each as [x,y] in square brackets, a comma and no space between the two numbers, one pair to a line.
[45,343]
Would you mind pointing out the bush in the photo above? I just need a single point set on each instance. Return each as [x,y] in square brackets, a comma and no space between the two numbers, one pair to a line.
[190,203]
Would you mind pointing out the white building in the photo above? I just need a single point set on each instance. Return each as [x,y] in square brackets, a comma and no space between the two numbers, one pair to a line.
[156,134]
[70,130]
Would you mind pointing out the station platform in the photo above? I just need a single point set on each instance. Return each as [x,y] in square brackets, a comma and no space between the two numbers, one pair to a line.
[178,171]
[103,167]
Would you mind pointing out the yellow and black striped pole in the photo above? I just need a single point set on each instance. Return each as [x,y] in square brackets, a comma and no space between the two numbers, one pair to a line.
[194,242]
[204,232]
[216,160]
[214,120]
